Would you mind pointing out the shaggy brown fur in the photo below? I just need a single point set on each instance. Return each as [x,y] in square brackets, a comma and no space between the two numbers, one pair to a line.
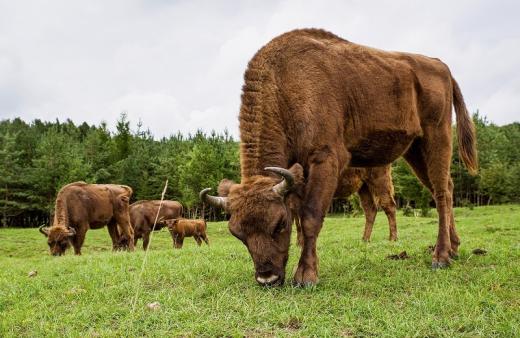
[180,228]
[143,214]
[81,206]
[313,99]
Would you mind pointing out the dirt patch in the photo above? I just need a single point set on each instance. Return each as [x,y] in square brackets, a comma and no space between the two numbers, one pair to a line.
[399,256]
[479,252]
[293,324]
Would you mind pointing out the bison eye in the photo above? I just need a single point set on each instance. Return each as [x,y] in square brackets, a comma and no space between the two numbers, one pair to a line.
[280,227]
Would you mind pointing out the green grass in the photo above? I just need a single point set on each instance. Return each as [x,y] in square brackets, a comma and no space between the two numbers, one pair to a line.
[210,291]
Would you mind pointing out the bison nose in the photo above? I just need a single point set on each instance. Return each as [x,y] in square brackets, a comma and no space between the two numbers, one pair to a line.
[270,280]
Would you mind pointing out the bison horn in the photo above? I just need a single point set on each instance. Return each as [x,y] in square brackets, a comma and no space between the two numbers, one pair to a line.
[288,180]
[216,201]
[44,230]
[72,231]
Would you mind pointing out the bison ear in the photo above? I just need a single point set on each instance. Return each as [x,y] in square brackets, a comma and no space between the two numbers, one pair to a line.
[224,186]
[124,201]
[44,230]
[297,171]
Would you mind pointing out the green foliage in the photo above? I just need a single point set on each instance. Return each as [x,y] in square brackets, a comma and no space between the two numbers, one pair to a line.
[38,158]
[211,292]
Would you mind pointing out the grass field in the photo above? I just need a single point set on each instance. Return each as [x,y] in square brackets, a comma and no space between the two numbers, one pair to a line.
[210,291]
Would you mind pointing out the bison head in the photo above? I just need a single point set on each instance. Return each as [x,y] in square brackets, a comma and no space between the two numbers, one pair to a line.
[58,238]
[170,223]
[261,219]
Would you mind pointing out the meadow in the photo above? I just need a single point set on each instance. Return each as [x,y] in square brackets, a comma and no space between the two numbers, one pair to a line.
[210,291]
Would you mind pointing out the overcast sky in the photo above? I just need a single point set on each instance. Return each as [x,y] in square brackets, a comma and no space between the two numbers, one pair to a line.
[178,65]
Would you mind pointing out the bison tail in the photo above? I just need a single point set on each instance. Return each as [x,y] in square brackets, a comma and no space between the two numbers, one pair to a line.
[465,131]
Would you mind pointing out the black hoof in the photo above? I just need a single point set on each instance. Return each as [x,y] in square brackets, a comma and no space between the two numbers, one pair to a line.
[439,265]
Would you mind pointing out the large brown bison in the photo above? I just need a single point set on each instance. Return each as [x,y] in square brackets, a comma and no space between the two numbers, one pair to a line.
[318,104]
[143,215]
[81,206]
[180,228]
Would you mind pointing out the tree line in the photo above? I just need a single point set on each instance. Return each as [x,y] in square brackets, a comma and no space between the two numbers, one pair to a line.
[38,158]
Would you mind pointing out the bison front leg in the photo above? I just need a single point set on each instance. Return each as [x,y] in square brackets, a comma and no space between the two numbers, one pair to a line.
[178,240]
[79,238]
[146,239]
[320,187]
[114,235]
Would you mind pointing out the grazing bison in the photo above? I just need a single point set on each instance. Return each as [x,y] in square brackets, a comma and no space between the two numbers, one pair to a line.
[144,213]
[318,104]
[180,228]
[81,206]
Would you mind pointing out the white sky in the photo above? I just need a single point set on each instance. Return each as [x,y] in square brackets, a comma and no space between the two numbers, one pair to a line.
[178,65]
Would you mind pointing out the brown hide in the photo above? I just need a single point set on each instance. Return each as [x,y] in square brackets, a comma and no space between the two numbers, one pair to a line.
[317,104]
[180,228]
[81,206]
[143,214]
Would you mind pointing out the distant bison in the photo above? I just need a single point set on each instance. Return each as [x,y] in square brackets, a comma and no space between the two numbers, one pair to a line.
[374,187]
[81,206]
[143,215]
[180,228]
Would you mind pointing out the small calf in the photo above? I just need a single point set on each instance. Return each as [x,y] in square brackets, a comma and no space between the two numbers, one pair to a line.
[180,228]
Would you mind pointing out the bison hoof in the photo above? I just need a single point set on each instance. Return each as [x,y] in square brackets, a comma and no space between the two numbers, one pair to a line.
[305,277]
[440,265]
[307,284]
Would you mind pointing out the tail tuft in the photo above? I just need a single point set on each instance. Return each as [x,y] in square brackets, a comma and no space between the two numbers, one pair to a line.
[465,131]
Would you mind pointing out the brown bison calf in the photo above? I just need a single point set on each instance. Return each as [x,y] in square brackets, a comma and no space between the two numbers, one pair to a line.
[81,206]
[180,228]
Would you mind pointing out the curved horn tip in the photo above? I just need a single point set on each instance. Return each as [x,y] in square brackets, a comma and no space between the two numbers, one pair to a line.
[216,201]
[43,229]
[203,193]
[288,179]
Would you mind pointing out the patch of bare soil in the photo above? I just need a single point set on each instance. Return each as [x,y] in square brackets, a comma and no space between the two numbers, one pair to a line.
[402,255]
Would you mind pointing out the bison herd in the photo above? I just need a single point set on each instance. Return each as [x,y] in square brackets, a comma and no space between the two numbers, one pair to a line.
[320,117]
[81,206]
